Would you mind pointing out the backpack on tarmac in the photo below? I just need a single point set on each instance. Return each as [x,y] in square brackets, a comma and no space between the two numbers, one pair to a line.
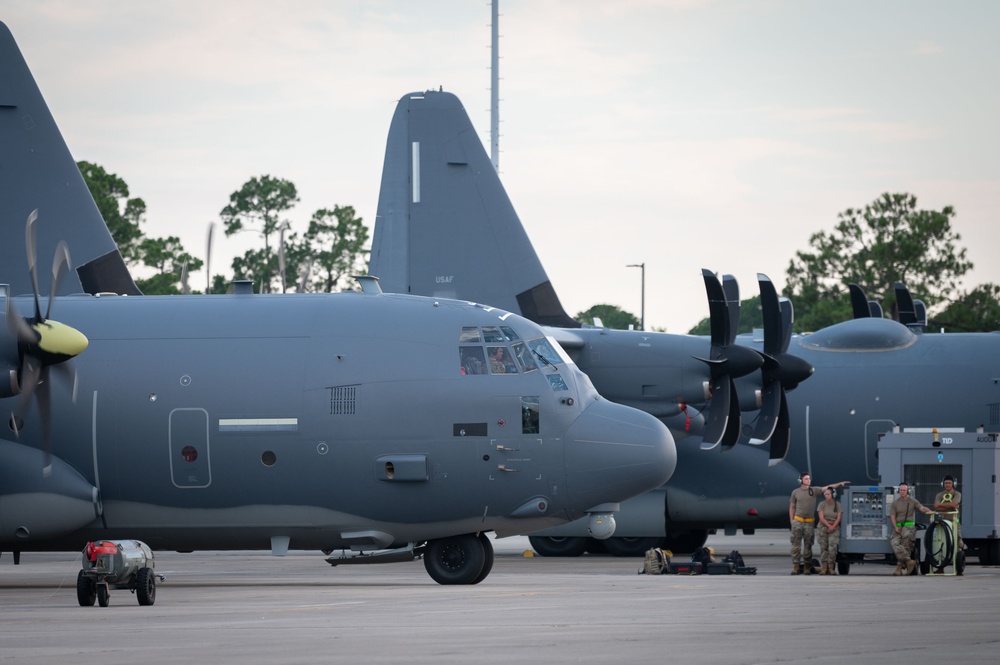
[657,562]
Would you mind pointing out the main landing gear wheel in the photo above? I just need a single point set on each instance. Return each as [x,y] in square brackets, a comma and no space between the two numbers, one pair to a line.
[145,586]
[86,590]
[685,541]
[488,563]
[630,547]
[455,560]
[558,546]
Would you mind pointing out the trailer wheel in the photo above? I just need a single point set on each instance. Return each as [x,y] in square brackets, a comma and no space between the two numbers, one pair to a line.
[86,591]
[843,567]
[145,586]
[103,595]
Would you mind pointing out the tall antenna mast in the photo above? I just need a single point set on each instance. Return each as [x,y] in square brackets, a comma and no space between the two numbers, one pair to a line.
[495,91]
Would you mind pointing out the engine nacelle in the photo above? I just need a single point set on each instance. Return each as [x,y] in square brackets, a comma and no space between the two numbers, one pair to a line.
[36,506]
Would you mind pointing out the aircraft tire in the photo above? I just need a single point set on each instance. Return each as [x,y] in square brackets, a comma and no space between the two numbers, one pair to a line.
[488,563]
[631,547]
[455,560]
[558,545]
[86,591]
[103,595]
[685,541]
[145,586]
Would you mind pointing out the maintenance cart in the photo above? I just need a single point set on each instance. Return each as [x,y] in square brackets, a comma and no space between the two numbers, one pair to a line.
[124,564]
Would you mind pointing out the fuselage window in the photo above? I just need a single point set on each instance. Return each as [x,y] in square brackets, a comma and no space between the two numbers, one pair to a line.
[523,357]
[469,335]
[529,415]
[472,360]
[500,360]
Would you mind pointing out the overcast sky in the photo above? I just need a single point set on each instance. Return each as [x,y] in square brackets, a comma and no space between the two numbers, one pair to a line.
[685,134]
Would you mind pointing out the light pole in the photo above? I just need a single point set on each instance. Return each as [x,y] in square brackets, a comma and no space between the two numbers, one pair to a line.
[642,316]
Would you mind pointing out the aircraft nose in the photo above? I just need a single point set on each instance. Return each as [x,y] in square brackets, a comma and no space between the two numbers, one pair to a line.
[614,452]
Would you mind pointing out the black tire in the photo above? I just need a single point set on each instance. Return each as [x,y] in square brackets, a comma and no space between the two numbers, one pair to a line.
[844,567]
[455,560]
[488,563]
[938,545]
[685,542]
[960,563]
[86,590]
[558,546]
[630,547]
[103,595]
[145,586]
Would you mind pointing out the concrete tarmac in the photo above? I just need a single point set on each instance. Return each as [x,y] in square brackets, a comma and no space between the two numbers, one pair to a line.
[250,607]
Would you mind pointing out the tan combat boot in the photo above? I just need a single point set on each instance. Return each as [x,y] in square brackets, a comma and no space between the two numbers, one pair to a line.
[795,569]
[910,565]
[898,571]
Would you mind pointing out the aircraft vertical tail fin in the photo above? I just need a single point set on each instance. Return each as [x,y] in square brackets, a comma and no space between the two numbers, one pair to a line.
[445,226]
[38,171]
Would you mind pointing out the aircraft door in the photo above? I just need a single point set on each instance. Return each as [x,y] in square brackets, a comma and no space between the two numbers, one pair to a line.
[189,453]
[515,451]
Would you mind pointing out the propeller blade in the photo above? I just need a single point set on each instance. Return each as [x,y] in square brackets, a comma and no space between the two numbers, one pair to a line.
[17,325]
[718,311]
[771,310]
[859,302]
[732,290]
[208,258]
[733,423]
[717,414]
[904,305]
[782,437]
[60,263]
[767,417]
[185,287]
[45,417]
[29,243]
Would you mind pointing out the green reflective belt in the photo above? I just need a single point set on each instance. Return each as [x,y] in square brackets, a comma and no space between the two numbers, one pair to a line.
[905,523]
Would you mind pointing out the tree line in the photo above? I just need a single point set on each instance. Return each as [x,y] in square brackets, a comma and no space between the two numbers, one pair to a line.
[888,240]
[322,259]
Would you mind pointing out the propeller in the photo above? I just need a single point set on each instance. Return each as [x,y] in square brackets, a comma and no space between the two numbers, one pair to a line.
[44,345]
[208,258]
[780,372]
[727,361]
[861,306]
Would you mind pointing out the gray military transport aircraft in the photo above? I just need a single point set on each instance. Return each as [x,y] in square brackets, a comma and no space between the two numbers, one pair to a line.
[445,226]
[334,422]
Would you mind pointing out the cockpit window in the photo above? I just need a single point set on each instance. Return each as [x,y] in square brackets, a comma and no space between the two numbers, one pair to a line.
[544,352]
[509,333]
[472,359]
[470,335]
[556,381]
[500,360]
[492,334]
[523,357]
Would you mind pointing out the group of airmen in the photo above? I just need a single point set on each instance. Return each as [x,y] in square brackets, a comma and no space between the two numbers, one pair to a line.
[804,513]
